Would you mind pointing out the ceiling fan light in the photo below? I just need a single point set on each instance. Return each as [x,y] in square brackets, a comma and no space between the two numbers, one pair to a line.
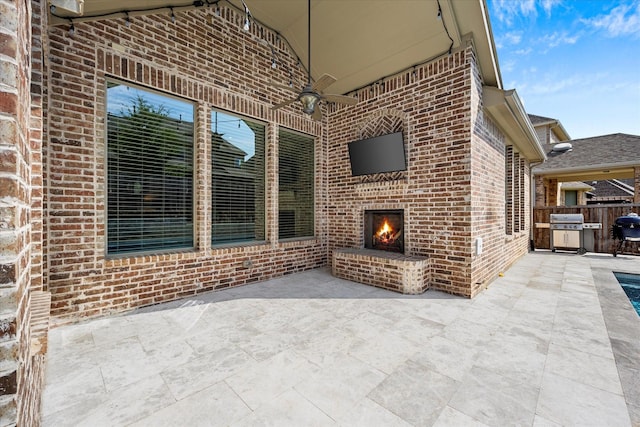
[309,102]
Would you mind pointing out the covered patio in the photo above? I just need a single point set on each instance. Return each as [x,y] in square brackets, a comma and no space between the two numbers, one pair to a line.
[551,342]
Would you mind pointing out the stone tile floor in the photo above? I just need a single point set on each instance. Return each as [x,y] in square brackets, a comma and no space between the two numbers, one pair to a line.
[553,342]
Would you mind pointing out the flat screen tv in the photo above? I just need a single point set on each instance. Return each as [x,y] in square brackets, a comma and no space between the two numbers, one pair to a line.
[377,155]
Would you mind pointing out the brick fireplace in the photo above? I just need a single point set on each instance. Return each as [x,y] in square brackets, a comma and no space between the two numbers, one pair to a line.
[384,230]
[381,260]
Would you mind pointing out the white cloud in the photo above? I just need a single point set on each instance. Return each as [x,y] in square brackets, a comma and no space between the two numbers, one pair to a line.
[547,5]
[621,21]
[523,52]
[506,10]
[509,38]
[557,39]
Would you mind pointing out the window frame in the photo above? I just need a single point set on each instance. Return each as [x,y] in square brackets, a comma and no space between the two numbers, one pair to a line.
[314,142]
[194,164]
[239,243]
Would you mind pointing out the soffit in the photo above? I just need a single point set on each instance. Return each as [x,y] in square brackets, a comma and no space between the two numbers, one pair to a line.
[358,42]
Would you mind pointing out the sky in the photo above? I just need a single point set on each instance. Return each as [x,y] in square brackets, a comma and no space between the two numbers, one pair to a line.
[577,61]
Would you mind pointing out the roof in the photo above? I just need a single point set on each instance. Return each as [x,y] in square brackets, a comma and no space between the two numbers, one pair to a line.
[357,42]
[616,188]
[554,124]
[539,120]
[575,185]
[617,150]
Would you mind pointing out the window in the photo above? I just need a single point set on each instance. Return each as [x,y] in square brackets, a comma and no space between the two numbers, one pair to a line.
[571,198]
[237,179]
[296,184]
[149,171]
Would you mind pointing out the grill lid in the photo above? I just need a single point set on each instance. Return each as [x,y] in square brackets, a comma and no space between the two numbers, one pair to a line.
[631,220]
[566,218]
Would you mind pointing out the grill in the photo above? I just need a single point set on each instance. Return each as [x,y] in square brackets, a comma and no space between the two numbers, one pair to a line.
[626,229]
[566,232]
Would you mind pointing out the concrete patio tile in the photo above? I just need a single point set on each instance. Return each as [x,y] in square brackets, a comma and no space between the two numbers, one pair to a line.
[521,363]
[367,413]
[339,384]
[385,353]
[262,382]
[495,400]
[204,371]
[450,417]
[594,342]
[539,421]
[446,357]
[553,342]
[568,402]
[290,409]
[121,371]
[77,384]
[119,407]
[468,332]
[586,368]
[214,406]
[415,393]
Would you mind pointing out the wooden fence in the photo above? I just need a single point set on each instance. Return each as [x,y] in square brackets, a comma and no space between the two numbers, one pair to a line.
[604,214]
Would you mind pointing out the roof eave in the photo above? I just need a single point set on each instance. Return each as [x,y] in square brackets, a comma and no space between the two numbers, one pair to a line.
[508,112]
[589,168]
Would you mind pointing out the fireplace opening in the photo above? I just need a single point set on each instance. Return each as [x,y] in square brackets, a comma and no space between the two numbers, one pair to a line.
[384,230]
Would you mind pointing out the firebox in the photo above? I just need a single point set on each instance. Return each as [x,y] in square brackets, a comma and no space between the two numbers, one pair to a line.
[384,230]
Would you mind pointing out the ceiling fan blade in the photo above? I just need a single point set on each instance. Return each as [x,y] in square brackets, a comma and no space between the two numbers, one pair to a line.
[284,104]
[317,114]
[341,99]
[323,82]
[281,86]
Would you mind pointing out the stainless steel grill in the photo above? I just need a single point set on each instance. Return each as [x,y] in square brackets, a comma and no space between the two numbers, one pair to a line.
[566,231]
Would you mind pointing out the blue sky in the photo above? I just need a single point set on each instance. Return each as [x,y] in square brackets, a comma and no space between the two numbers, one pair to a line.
[573,60]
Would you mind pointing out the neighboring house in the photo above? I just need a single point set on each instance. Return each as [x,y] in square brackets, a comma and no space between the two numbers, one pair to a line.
[611,191]
[573,193]
[548,130]
[584,171]
[87,216]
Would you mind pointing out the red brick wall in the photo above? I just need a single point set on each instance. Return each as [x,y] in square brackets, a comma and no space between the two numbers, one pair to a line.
[21,372]
[454,189]
[504,239]
[203,58]
[434,105]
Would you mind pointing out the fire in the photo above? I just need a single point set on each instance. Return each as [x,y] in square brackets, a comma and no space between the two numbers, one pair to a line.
[386,234]
[385,229]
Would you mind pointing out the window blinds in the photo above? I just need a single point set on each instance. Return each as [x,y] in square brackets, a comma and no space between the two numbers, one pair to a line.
[296,208]
[149,171]
[237,179]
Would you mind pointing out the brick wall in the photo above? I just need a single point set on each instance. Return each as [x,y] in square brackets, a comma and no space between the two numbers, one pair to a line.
[433,103]
[454,189]
[452,192]
[500,192]
[201,57]
[24,311]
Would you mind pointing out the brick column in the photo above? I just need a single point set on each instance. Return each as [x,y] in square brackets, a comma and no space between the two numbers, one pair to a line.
[24,314]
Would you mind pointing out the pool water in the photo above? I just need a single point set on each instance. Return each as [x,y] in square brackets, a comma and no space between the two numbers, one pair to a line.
[631,285]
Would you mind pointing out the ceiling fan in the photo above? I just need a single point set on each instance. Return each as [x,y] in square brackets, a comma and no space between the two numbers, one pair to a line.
[311,94]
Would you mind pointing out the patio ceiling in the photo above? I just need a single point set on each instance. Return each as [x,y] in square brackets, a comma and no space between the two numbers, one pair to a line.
[358,42]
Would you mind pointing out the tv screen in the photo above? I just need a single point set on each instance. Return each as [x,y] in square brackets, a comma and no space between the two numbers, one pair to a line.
[376,155]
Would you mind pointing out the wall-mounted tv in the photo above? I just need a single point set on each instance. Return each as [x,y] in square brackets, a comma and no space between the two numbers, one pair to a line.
[376,155]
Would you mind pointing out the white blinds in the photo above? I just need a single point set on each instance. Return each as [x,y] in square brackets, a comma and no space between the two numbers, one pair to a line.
[149,171]
[296,185]
[237,179]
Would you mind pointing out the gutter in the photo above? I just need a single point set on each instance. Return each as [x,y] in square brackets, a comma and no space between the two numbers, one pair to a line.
[509,114]
[607,166]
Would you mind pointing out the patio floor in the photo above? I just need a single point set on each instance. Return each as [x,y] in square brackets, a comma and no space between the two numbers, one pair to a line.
[553,342]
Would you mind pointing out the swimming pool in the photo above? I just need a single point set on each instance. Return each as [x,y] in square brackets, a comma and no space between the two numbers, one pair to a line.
[631,285]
